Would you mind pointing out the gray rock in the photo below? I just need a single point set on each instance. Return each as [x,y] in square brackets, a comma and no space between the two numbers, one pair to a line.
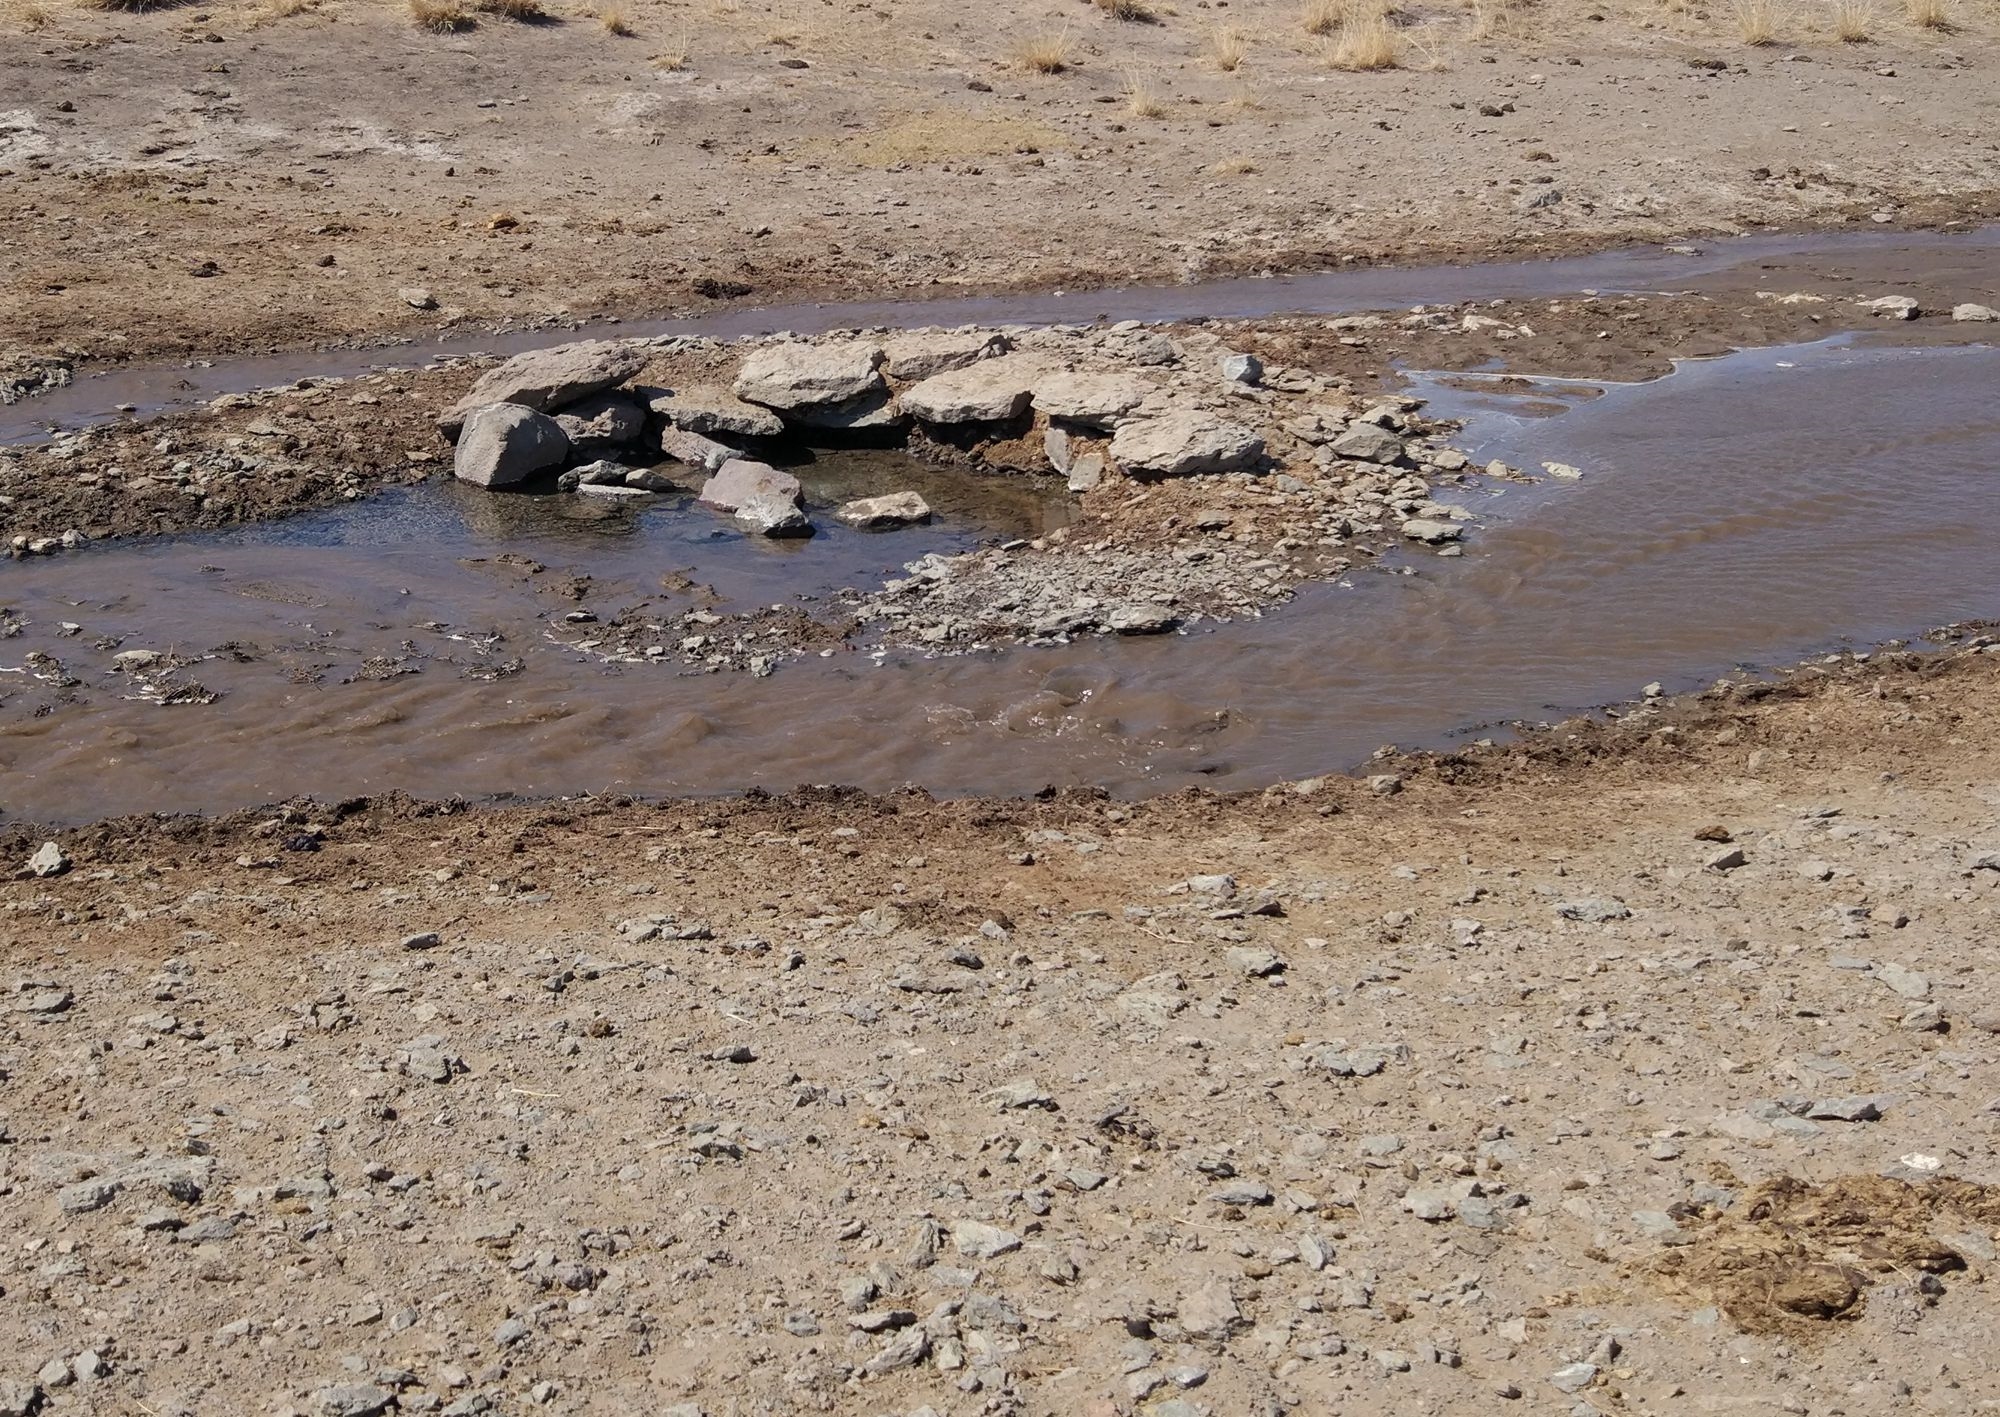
[875,513]
[353,1400]
[905,1350]
[1184,444]
[548,379]
[602,473]
[602,423]
[86,1196]
[709,409]
[871,413]
[1140,620]
[769,514]
[19,1399]
[48,860]
[503,444]
[993,391]
[1255,962]
[1365,442]
[1575,1377]
[1086,473]
[417,297]
[1211,1312]
[1244,369]
[1593,911]
[1432,531]
[980,1241]
[1727,859]
[1894,307]
[741,481]
[696,449]
[1090,399]
[1906,982]
[1971,312]
[924,354]
[1430,1205]
[795,376]
[1846,1109]
[1243,1193]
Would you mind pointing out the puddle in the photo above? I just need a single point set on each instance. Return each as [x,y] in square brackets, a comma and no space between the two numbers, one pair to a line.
[1746,510]
[1879,257]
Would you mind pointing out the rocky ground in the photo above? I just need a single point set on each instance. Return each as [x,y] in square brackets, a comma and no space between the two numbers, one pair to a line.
[257,173]
[1642,1066]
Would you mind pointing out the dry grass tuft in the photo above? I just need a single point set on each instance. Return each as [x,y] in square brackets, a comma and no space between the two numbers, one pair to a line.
[1226,49]
[1045,53]
[1135,10]
[1756,22]
[1853,21]
[1233,167]
[440,16]
[1927,14]
[616,19]
[1366,42]
[33,17]
[132,7]
[1142,100]
[271,11]
[672,61]
[521,12]
[1323,17]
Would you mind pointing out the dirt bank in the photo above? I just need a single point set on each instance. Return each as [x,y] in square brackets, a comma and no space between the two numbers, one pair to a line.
[1510,1073]
[247,175]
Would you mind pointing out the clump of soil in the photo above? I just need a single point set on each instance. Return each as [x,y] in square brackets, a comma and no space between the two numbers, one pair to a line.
[1792,1255]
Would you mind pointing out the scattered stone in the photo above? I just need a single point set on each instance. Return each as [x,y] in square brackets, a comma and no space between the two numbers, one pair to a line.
[1906,982]
[1368,442]
[1246,370]
[602,423]
[1893,307]
[1846,1109]
[353,1400]
[1432,531]
[980,1241]
[1575,1377]
[1594,911]
[1140,620]
[1977,313]
[417,298]
[742,481]
[49,860]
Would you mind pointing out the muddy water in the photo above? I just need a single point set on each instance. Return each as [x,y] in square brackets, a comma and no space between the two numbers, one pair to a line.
[1959,260]
[1745,510]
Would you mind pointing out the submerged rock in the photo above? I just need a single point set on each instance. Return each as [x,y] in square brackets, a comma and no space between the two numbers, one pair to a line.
[504,444]
[877,513]
[742,481]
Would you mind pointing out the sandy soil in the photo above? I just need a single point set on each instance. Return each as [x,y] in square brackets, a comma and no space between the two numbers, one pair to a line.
[1497,1064]
[201,179]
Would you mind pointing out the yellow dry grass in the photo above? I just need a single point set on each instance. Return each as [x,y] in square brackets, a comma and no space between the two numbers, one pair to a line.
[616,19]
[1322,17]
[673,59]
[1366,42]
[1233,167]
[522,12]
[1045,53]
[1135,10]
[1226,49]
[1756,22]
[1928,14]
[1142,99]
[440,16]
[1853,21]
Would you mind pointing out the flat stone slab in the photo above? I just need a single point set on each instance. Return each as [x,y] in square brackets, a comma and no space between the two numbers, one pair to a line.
[924,354]
[710,409]
[1184,444]
[547,380]
[1094,399]
[993,391]
[790,377]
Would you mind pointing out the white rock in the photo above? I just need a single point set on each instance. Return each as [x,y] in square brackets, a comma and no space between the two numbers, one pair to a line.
[1182,444]
[50,860]
[796,376]
[741,480]
[709,409]
[504,444]
[924,354]
[992,391]
[875,513]
[1969,311]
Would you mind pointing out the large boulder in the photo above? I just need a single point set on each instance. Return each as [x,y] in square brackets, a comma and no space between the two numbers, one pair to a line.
[603,423]
[796,376]
[708,409]
[548,379]
[1180,444]
[924,354]
[503,444]
[1093,399]
[993,391]
[742,481]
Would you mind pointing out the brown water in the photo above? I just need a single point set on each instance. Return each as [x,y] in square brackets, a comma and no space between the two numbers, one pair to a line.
[1742,511]
[1958,260]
